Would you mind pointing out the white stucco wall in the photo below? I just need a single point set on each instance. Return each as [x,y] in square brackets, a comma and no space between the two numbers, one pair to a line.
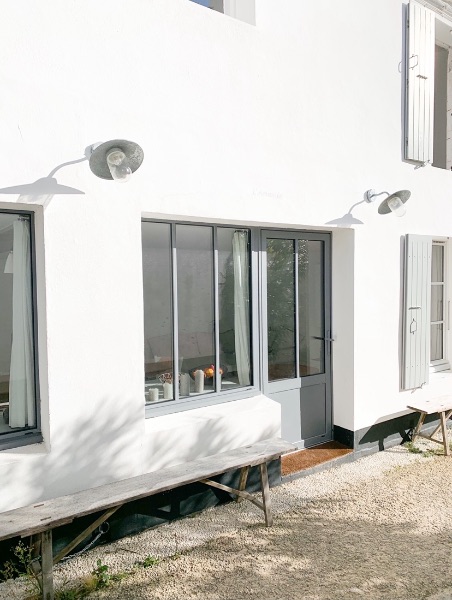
[286,123]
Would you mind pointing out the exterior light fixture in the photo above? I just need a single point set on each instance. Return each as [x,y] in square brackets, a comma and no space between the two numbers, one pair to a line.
[394,203]
[116,159]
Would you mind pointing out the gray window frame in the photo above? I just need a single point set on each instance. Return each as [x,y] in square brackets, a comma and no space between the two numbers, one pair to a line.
[182,404]
[33,435]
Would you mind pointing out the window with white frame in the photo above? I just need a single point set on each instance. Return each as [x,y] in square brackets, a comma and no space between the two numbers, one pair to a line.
[243,10]
[197,311]
[424,310]
[429,84]
[19,418]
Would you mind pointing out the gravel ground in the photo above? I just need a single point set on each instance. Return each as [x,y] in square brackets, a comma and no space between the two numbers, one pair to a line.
[378,528]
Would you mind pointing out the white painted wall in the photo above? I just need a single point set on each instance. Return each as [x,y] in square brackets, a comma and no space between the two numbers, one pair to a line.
[286,123]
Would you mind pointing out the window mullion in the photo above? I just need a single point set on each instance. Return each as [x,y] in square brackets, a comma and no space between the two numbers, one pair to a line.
[175,313]
[216,312]
[297,315]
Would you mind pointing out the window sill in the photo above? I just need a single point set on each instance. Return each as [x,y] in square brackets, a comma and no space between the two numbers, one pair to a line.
[161,409]
[21,440]
[439,368]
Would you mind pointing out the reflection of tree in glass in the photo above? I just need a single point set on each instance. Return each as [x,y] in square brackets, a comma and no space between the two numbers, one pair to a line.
[281,304]
[226,324]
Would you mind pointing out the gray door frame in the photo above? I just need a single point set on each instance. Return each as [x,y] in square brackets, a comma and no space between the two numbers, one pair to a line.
[299,382]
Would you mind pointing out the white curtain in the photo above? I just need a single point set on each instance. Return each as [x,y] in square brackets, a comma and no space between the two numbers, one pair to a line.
[241,305]
[21,383]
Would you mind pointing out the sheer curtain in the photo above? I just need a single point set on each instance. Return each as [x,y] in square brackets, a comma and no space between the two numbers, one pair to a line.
[21,382]
[241,305]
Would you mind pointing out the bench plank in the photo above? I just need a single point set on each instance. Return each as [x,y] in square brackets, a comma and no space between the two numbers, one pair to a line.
[435,405]
[52,513]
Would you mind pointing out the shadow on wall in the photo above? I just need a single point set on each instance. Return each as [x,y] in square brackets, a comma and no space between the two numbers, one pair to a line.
[217,433]
[391,433]
[89,452]
[348,219]
[42,190]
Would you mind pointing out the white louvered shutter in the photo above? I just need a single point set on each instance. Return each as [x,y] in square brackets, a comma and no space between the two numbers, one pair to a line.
[416,330]
[420,83]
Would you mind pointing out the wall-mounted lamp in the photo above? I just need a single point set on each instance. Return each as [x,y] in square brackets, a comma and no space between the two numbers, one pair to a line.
[393,203]
[116,159]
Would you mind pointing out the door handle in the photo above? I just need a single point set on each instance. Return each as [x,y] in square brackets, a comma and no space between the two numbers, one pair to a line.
[327,339]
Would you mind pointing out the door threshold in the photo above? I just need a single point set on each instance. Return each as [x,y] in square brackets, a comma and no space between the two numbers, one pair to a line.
[310,460]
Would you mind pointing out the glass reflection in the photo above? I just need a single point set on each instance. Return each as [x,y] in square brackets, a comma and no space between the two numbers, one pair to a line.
[158,329]
[310,307]
[195,298]
[281,308]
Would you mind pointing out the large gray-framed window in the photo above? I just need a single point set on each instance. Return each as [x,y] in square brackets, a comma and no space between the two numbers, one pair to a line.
[198,330]
[19,415]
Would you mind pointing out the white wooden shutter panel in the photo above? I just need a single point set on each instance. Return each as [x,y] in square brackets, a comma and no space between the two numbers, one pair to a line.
[416,330]
[420,83]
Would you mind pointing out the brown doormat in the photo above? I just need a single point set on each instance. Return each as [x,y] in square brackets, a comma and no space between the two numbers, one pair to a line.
[310,457]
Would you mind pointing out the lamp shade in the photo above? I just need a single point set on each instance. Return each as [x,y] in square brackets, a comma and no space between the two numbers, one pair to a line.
[384,208]
[98,159]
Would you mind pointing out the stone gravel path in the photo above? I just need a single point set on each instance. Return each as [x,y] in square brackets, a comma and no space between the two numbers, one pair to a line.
[379,528]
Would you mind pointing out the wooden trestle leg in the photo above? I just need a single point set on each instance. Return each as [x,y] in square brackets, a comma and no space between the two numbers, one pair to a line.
[444,432]
[417,429]
[266,495]
[242,482]
[47,565]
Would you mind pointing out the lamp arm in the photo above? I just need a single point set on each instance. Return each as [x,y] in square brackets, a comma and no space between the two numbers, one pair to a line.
[370,195]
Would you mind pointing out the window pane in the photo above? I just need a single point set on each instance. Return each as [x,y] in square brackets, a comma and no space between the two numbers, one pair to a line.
[17,391]
[195,297]
[234,307]
[436,342]
[437,263]
[437,303]
[281,308]
[311,310]
[158,329]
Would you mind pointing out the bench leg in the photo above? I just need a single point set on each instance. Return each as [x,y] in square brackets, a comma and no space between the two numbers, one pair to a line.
[444,432]
[242,483]
[47,565]
[266,495]
[417,429]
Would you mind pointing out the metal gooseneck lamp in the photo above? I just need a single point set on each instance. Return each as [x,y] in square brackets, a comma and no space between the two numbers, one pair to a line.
[116,159]
[394,203]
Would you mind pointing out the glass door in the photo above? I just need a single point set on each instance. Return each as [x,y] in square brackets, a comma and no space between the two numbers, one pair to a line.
[297,332]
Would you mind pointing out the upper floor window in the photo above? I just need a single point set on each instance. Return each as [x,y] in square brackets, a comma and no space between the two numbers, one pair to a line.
[18,410]
[428,99]
[243,10]
[197,310]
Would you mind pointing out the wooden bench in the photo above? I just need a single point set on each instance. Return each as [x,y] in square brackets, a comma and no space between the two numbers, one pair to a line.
[39,519]
[441,405]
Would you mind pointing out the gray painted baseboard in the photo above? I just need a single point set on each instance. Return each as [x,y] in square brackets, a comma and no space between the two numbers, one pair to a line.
[383,435]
